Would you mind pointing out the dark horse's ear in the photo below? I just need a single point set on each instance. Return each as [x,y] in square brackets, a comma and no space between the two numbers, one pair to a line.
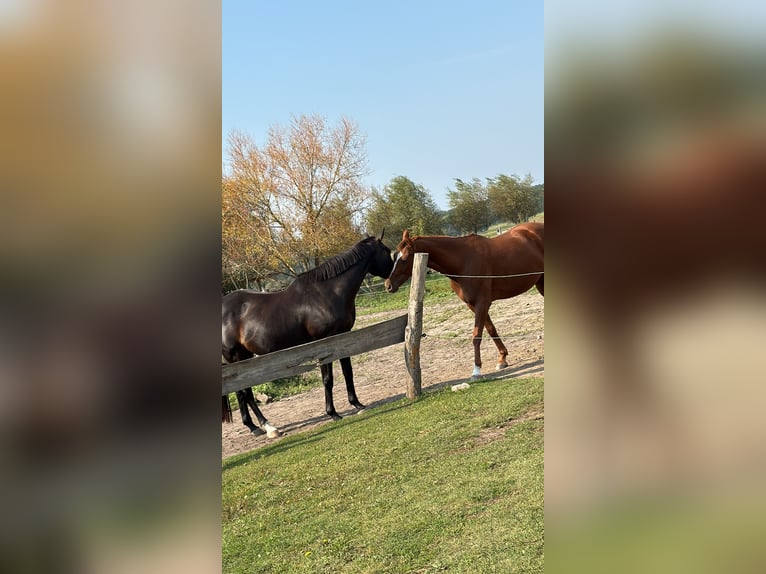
[380,237]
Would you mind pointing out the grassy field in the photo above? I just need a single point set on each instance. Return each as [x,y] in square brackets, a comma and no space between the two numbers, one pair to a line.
[450,482]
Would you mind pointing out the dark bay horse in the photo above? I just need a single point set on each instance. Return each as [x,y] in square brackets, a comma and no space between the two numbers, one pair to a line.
[480,269]
[317,304]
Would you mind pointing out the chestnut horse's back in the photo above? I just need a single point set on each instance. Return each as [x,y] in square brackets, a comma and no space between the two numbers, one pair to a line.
[534,231]
[525,241]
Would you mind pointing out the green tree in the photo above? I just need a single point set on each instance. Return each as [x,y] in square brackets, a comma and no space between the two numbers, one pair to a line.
[512,198]
[402,205]
[469,206]
[539,195]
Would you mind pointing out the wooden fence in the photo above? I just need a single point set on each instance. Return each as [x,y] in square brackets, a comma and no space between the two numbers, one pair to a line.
[302,358]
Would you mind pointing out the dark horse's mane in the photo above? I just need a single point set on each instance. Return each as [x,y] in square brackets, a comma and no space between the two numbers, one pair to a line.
[337,264]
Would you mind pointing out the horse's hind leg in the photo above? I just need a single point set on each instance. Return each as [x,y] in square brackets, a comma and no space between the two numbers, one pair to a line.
[246,419]
[348,375]
[327,381]
[232,352]
[245,398]
[502,351]
[271,431]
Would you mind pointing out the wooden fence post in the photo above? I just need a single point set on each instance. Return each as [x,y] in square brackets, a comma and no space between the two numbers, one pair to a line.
[415,324]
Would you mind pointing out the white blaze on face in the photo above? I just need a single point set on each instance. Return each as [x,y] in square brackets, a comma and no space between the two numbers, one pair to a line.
[396,261]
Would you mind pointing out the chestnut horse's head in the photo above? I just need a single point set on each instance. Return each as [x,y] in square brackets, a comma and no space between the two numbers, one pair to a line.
[402,270]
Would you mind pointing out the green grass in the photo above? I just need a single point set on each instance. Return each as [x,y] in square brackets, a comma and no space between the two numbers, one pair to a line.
[437,287]
[289,386]
[449,482]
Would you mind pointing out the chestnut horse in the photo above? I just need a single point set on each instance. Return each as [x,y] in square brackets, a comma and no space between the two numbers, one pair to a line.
[481,270]
[319,303]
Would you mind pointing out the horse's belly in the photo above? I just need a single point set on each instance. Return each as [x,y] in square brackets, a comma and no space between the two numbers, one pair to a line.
[508,290]
[262,341]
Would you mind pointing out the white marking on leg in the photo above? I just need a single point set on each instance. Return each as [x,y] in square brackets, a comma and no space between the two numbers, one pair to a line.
[271,431]
[476,371]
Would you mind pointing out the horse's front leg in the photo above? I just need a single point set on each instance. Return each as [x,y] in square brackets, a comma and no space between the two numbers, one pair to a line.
[245,398]
[502,351]
[329,407]
[348,375]
[480,313]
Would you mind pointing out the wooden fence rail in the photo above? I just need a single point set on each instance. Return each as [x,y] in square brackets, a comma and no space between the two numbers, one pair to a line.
[302,358]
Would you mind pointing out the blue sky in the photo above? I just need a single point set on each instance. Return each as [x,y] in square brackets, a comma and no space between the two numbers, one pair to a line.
[441,90]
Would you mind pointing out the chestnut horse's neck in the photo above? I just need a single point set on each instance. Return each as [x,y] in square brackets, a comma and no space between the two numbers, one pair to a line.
[446,255]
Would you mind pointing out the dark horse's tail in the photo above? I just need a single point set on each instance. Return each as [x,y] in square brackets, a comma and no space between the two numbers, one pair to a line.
[225,409]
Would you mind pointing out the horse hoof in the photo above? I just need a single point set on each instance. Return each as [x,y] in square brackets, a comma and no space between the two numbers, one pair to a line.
[257,432]
[271,432]
[476,378]
[501,366]
[335,416]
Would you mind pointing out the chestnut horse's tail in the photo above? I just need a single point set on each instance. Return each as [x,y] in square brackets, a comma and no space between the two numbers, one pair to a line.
[225,409]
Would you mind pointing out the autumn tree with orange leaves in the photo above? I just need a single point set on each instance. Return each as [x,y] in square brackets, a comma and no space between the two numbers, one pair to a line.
[292,202]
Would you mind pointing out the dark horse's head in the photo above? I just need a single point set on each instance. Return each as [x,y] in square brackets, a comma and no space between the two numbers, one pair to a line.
[402,267]
[380,261]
